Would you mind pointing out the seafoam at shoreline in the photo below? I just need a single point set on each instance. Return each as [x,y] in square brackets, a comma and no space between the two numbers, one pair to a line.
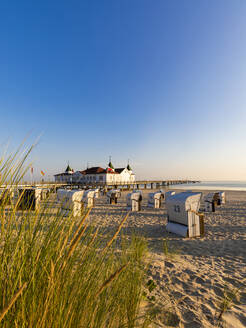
[213,185]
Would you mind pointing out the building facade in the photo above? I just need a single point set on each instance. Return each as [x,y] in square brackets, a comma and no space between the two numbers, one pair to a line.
[99,175]
[66,176]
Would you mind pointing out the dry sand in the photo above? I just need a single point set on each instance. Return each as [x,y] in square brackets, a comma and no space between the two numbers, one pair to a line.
[194,276]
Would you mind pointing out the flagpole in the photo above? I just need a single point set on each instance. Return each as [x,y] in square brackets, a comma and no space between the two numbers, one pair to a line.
[31,175]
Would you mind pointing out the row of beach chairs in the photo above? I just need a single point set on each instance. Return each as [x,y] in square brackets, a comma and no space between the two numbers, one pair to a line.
[23,199]
[74,201]
[155,199]
[185,216]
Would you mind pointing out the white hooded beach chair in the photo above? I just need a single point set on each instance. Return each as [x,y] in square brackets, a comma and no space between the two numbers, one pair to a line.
[113,195]
[155,198]
[44,193]
[183,216]
[209,203]
[61,194]
[211,200]
[71,201]
[222,197]
[96,192]
[133,201]
[29,199]
[88,198]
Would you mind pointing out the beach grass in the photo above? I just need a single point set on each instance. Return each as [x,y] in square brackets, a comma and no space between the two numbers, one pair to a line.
[58,271]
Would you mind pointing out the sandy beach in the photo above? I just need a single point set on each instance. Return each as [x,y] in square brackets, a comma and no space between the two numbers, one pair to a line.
[193,276]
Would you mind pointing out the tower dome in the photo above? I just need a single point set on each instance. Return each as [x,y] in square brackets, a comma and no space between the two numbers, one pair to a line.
[129,167]
[68,169]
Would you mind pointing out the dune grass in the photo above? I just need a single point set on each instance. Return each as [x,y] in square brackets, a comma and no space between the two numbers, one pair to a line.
[59,271]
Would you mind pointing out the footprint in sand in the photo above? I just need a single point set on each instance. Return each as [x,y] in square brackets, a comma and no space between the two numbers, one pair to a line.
[199,280]
[169,319]
[218,291]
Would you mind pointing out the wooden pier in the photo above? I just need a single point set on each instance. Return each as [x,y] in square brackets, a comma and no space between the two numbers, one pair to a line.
[141,184]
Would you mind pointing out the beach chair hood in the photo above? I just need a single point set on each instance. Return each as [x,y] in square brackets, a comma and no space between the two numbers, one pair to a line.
[178,205]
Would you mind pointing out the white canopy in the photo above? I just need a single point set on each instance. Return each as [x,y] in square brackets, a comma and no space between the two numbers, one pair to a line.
[114,191]
[88,194]
[135,195]
[96,192]
[178,205]
[76,195]
[210,196]
[186,200]
[156,195]
[36,190]
[61,194]
[72,195]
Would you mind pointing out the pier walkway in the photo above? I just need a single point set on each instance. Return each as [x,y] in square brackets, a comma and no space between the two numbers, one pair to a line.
[141,184]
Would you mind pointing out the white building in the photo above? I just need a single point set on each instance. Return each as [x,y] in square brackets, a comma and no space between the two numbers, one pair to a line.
[66,176]
[99,175]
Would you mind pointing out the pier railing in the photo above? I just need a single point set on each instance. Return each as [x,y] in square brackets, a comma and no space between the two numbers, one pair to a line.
[140,184]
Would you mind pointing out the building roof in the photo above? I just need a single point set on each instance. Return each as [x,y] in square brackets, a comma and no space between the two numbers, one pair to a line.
[119,170]
[111,165]
[66,173]
[100,170]
[129,168]
[68,169]
[93,170]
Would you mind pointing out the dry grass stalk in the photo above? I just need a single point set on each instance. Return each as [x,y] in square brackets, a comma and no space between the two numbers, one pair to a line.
[73,245]
[110,279]
[90,243]
[12,301]
[227,301]
[80,225]
[116,233]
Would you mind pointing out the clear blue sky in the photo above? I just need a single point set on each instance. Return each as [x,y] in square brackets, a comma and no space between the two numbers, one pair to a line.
[159,82]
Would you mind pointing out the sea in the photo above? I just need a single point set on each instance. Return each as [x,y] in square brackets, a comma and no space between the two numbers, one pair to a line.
[213,185]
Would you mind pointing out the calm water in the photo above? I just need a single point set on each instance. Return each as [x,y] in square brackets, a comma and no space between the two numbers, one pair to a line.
[213,185]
